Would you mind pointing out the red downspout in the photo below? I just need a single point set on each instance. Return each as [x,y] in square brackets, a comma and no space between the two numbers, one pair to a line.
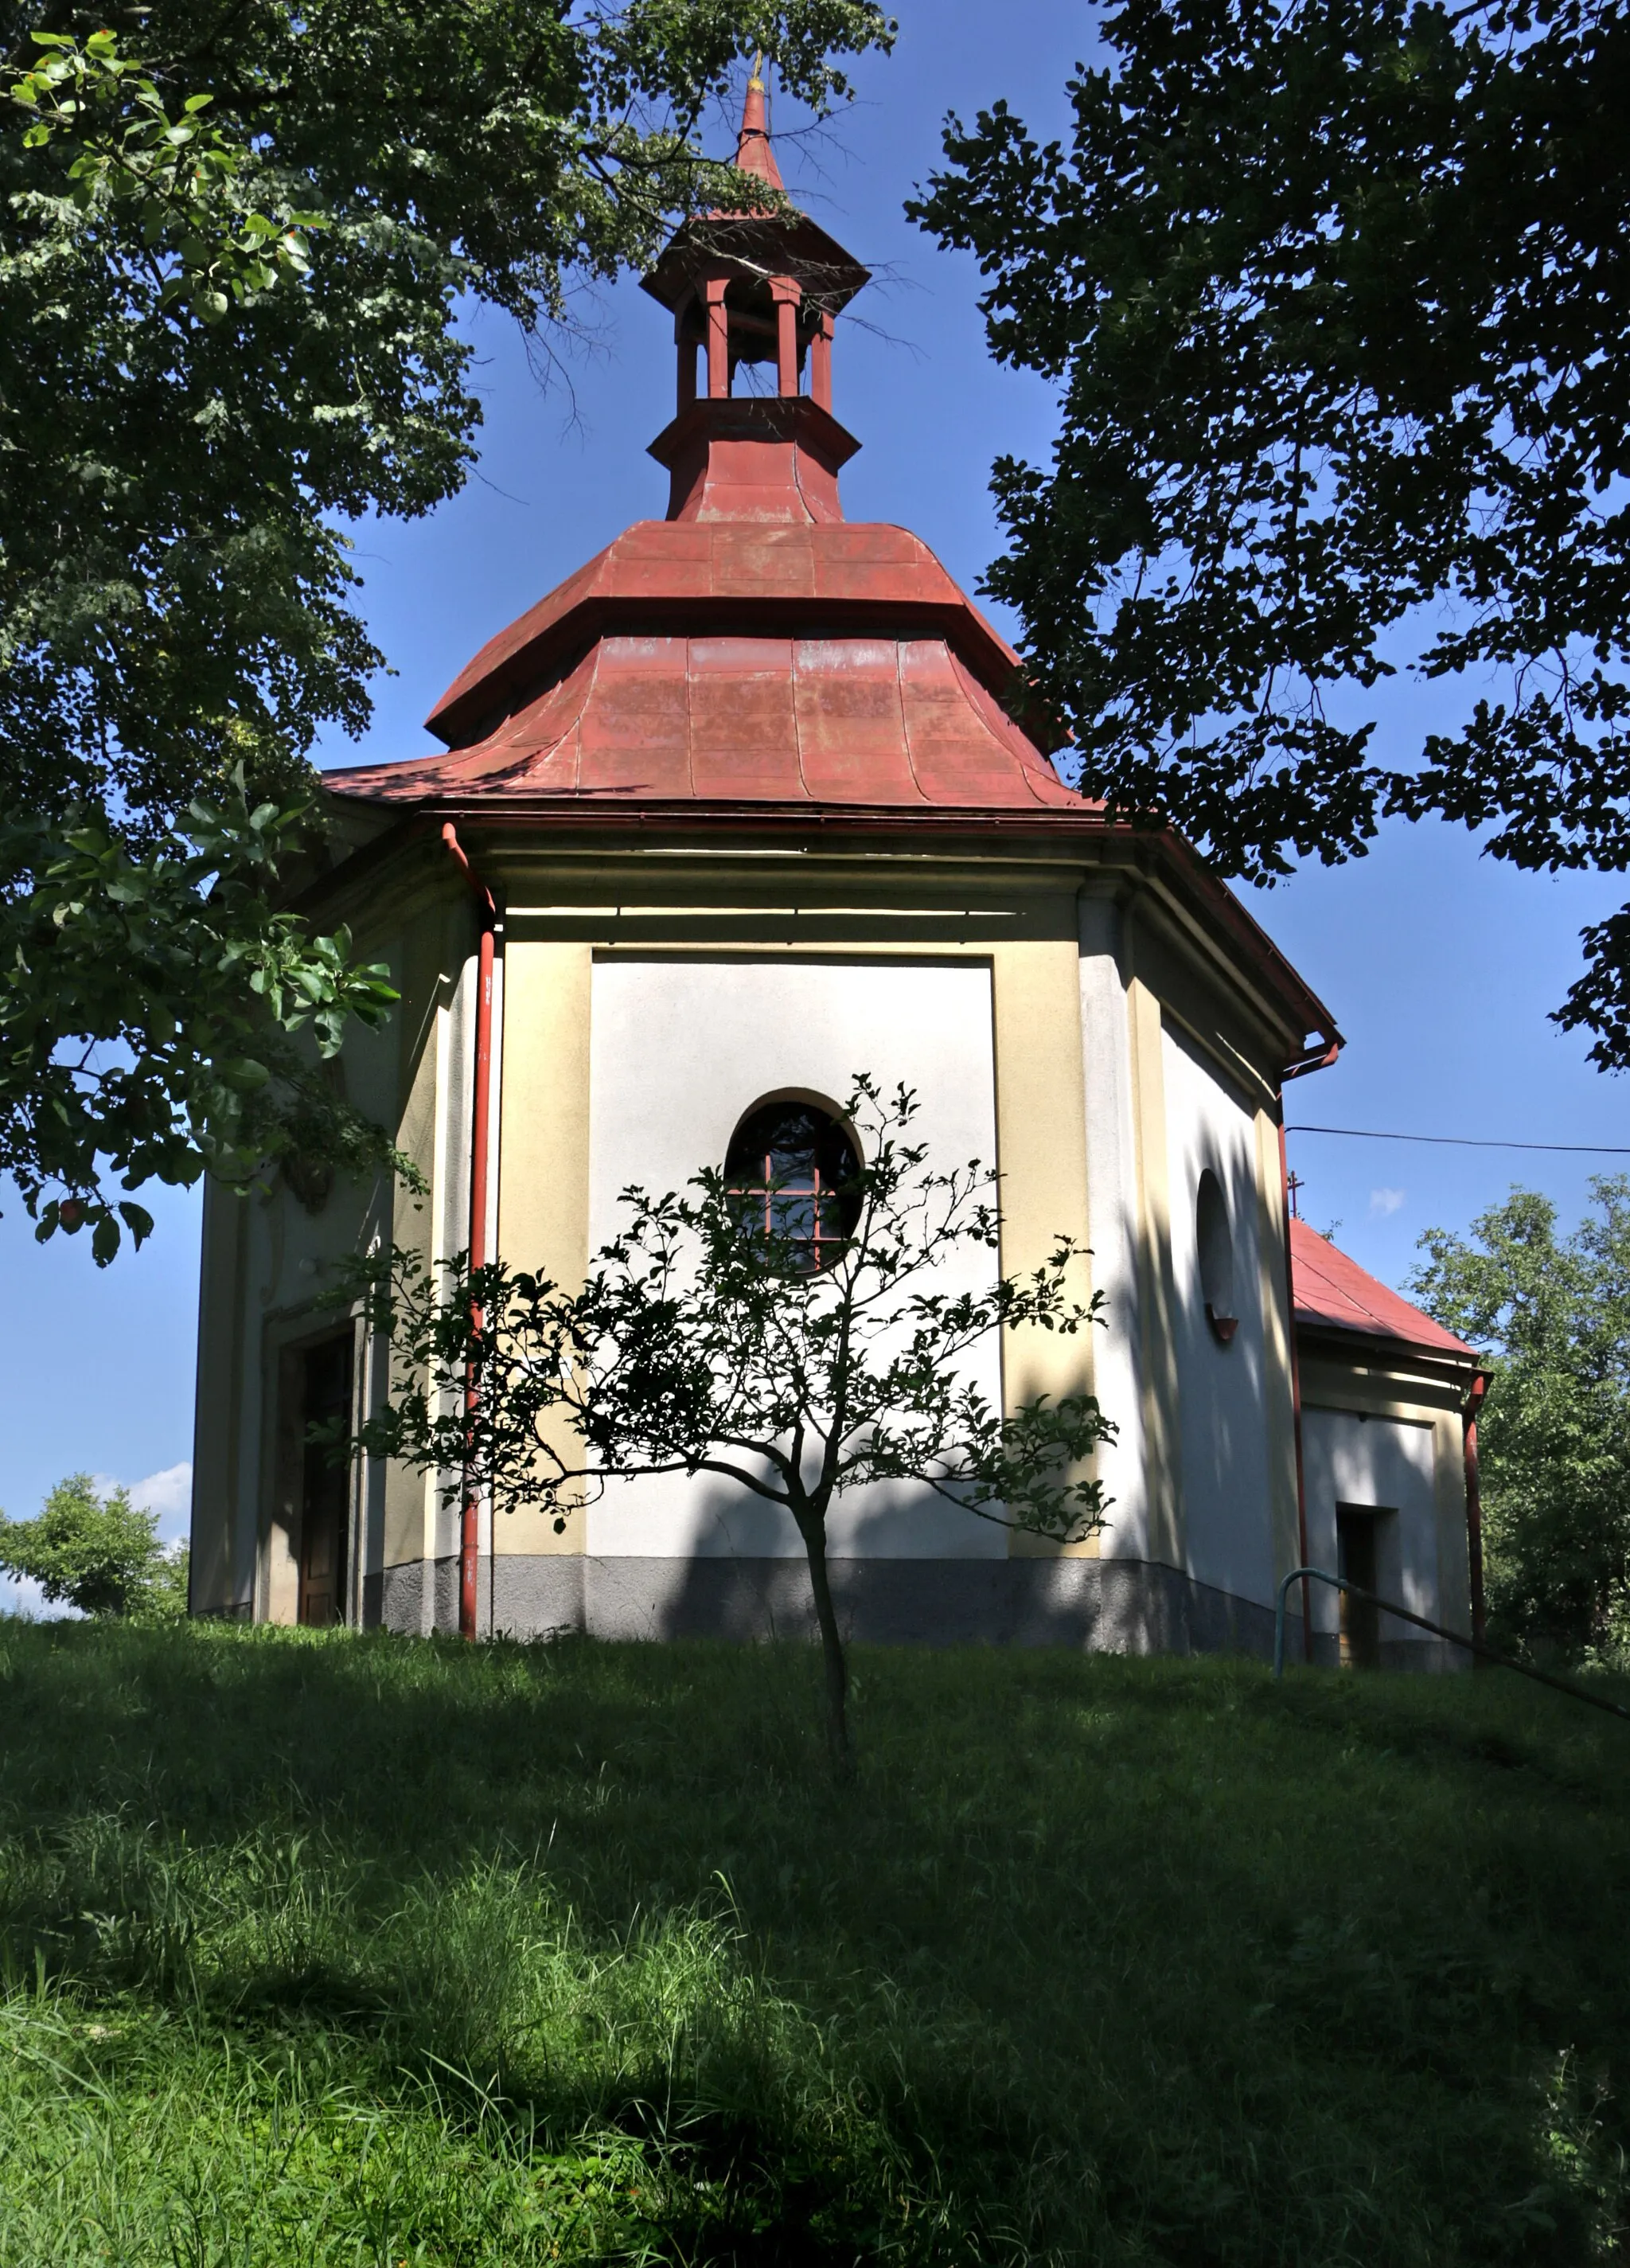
[481,1135]
[1320,1058]
[1296,1407]
[1474,1503]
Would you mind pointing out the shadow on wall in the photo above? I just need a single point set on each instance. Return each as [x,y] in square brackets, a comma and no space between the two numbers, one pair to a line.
[1116,1606]
[1220,1330]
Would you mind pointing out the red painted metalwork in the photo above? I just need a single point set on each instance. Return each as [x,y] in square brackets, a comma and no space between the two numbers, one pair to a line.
[778,240]
[1291,1225]
[712,570]
[820,362]
[1333,1291]
[791,1164]
[718,338]
[755,152]
[831,720]
[481,1142]
[1318,1058]
[1474,1506]
[781,1193]
[786,296]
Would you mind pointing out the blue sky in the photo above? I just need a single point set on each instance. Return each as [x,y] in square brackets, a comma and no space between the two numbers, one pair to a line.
[1439,966]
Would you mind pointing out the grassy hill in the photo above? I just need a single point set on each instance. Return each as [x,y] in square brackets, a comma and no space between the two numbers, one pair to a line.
[336,1950]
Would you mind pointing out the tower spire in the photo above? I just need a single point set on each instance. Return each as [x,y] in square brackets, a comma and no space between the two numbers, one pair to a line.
[756,294]
[754,151]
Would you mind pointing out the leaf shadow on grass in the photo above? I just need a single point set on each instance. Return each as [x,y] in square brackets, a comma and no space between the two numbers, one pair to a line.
[1098,1959]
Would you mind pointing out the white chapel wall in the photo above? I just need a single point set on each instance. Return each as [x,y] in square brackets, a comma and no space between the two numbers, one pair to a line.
[1113,1216]
[1379,1464]
[1227,1481]
[270,1260]
[681,1048]
[290,1255]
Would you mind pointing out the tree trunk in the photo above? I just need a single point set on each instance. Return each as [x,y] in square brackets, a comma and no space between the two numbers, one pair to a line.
[831,1650]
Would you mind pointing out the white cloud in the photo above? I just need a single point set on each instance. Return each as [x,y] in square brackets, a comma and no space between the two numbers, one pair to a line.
[1384,1203]
[20,1596]
[168,1494]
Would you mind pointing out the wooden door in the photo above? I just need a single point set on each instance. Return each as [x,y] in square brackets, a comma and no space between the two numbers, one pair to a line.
[1356,1558]
[325,1486]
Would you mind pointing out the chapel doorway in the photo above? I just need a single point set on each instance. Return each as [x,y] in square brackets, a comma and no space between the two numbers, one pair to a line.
[325,1394]
[1357,1561]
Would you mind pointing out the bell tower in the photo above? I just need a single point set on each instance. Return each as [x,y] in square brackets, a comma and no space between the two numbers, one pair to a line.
[754,296]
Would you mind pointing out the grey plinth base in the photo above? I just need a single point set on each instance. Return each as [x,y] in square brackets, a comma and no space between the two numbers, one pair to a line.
[1116,1606]
[1426,1653]
[421,1598]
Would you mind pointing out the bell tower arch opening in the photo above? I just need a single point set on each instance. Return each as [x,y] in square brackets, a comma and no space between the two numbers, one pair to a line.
[755,293]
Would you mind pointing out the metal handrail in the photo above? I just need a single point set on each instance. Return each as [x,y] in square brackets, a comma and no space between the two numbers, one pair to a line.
[1472,1645]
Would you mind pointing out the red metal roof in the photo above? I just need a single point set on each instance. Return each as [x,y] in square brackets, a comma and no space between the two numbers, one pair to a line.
[753,659]
[1333,1292]
[735,660]
[844,720]
[739,574]
[751,648]
[777,241]
[755,153]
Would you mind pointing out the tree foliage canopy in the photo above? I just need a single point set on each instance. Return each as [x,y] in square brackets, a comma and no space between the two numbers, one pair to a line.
[100,1554]
[233,241]
[1337,297]
[1554,1440]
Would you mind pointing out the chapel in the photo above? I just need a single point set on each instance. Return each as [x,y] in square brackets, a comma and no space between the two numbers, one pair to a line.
[740,809]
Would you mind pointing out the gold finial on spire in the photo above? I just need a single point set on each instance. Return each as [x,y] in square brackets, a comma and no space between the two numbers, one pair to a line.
[754,151]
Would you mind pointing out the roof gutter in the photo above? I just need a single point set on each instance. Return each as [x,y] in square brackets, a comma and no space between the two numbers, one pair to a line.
[481,1145]
[1319,1058]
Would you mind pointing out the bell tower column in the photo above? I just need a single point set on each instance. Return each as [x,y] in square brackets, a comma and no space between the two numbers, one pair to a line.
[820,361]
[685,347]
[718,339]
[788,297]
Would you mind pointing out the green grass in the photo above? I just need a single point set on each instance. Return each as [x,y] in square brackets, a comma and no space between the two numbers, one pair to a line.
[340,1949]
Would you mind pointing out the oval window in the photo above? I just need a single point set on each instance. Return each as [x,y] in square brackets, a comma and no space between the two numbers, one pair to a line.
[791,1172]
[1215,1240]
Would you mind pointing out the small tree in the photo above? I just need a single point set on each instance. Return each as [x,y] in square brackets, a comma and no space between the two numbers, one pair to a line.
[100,1554]
[708,1339]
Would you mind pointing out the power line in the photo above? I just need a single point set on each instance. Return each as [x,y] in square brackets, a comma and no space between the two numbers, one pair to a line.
[1462,1141]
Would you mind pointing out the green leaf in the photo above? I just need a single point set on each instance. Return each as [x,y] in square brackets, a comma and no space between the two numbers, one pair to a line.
[138,1220]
